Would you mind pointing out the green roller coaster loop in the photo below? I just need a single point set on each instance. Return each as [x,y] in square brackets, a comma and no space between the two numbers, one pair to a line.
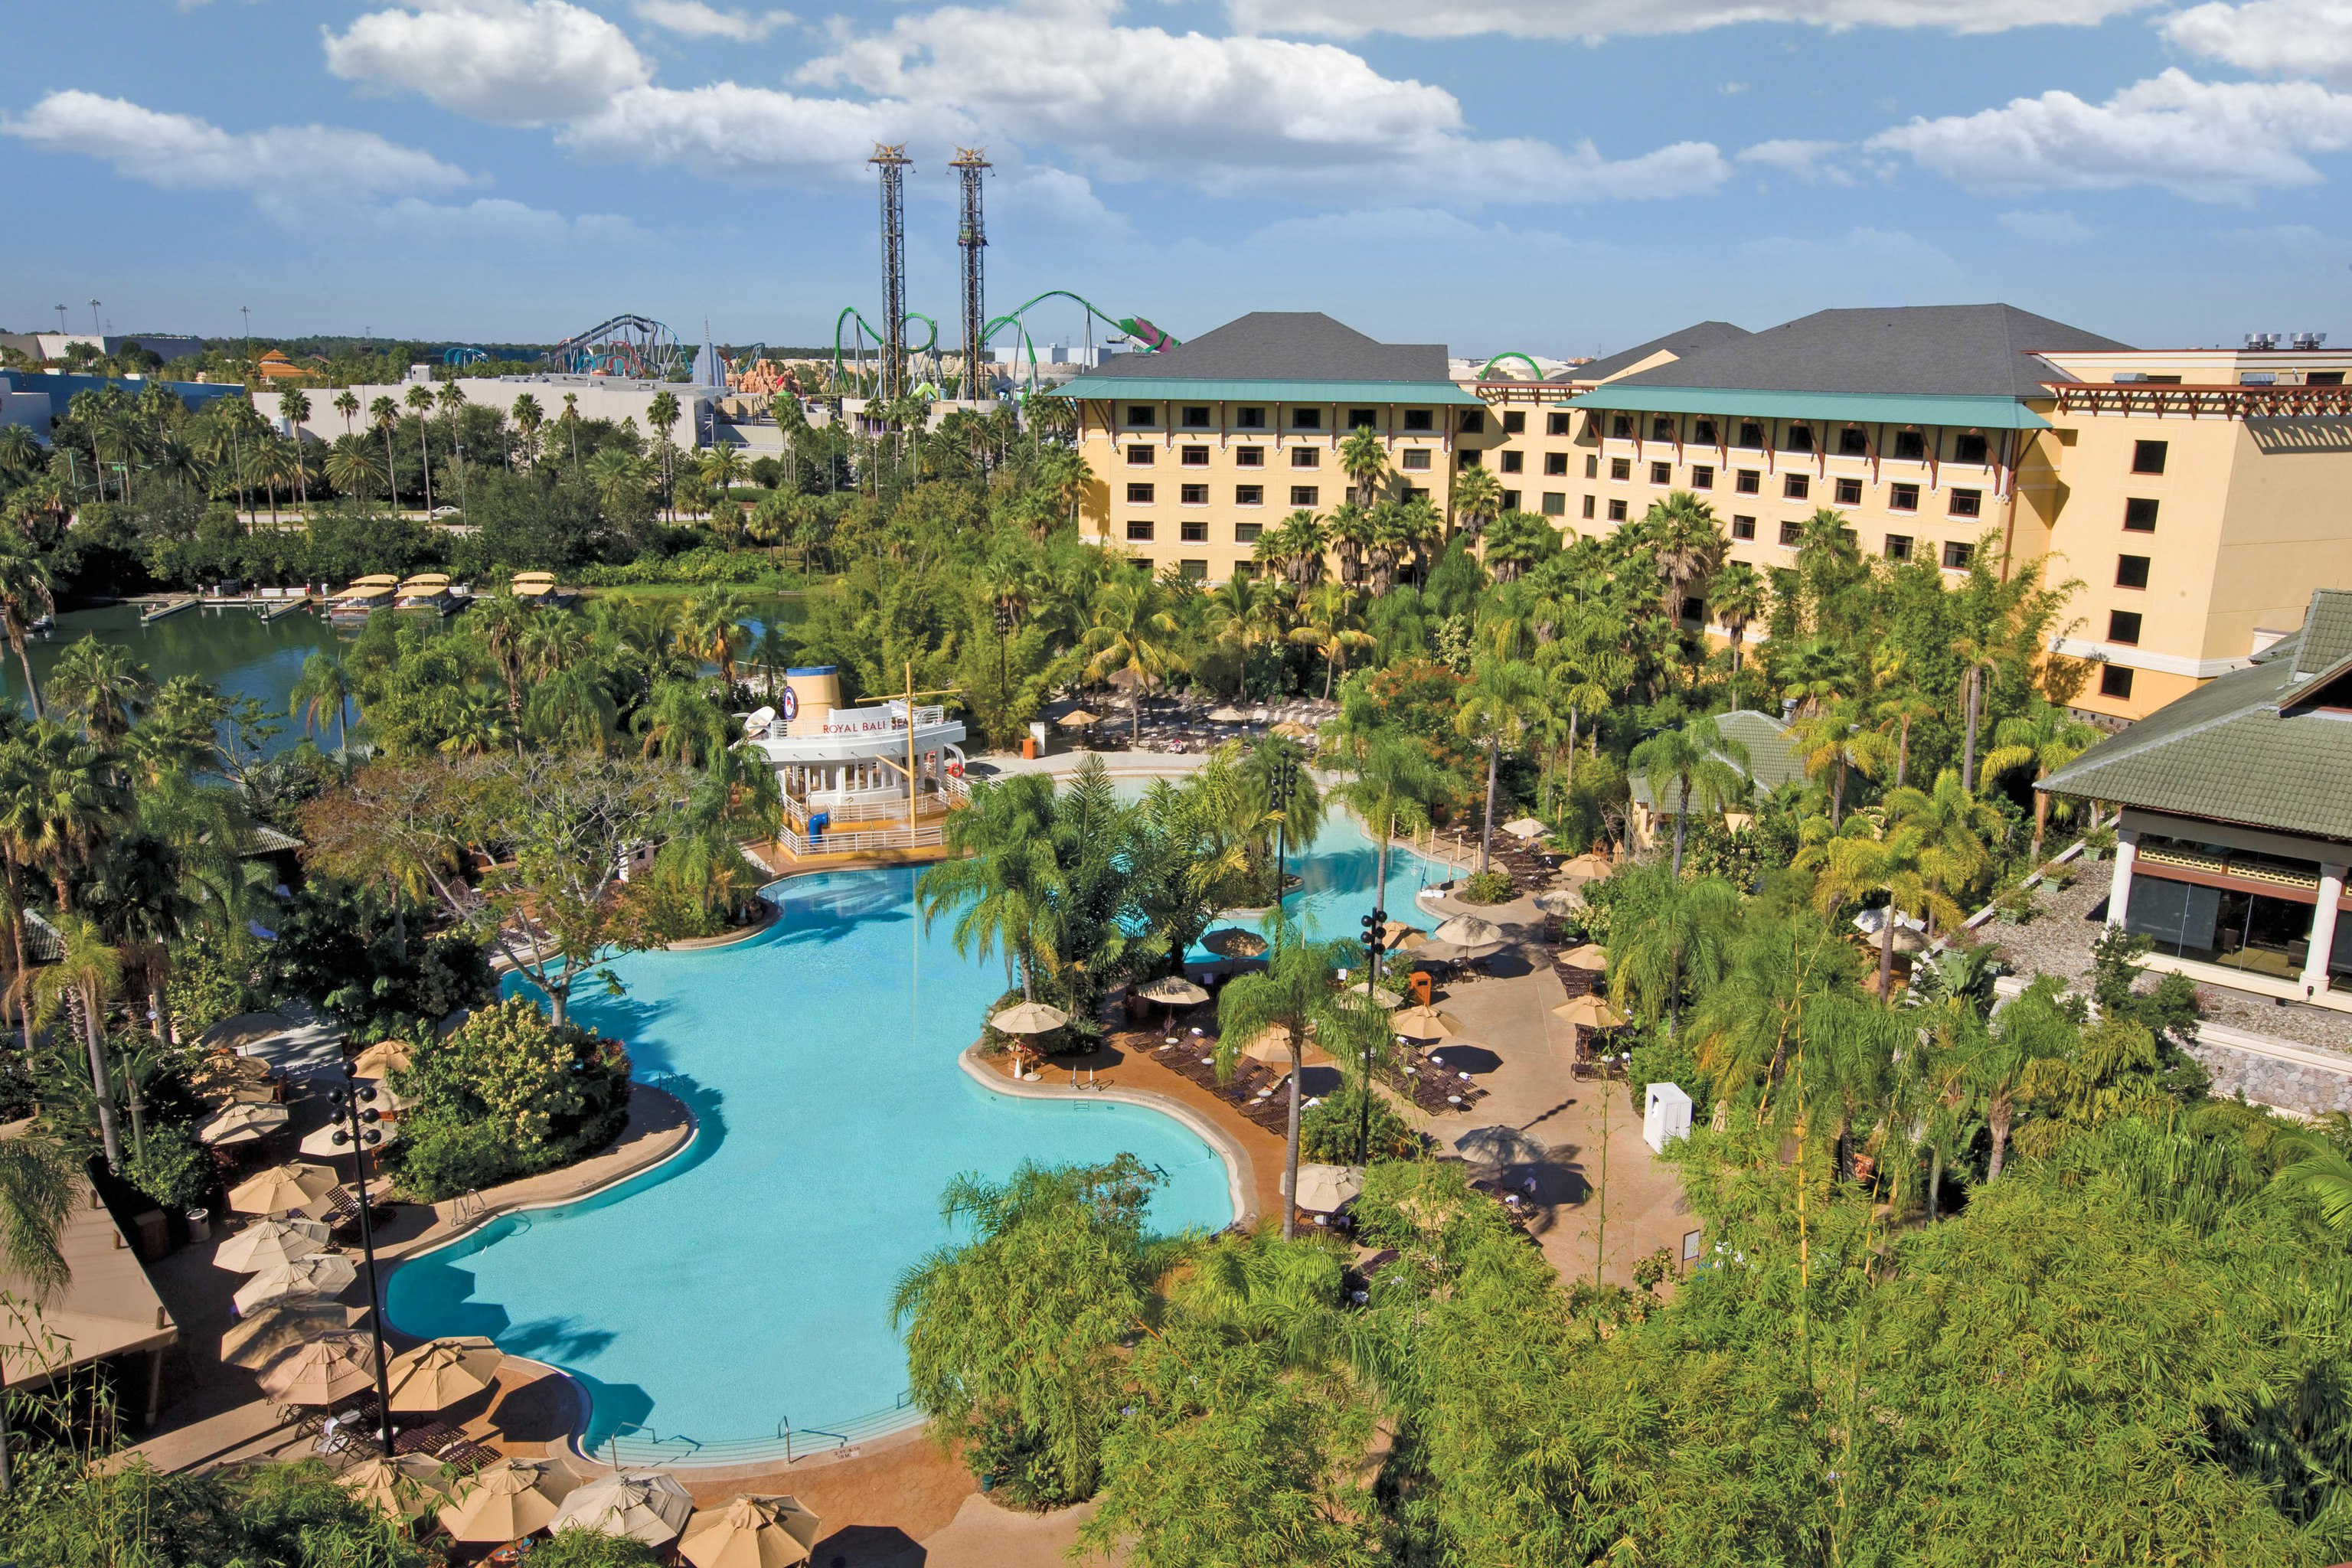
[1151,339]
[1486,370]
[850,313]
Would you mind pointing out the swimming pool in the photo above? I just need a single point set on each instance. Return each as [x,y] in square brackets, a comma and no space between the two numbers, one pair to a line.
[742,1288]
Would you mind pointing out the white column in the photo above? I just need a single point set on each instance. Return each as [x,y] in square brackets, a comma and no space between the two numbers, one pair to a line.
[2323,929]
[2119,888]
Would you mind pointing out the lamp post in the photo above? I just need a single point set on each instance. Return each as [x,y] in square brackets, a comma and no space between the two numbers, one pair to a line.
[1375,924]
[359,1130]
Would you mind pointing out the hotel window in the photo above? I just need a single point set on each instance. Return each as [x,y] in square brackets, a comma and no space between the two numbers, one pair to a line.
[1556,424]
[1556,463]
[2123,627]
[1249,456]
[1853,441]
[1306,419]
[1305,456]
[1192,495]
[1192,530]
[1910,446]
[1790,534]
[1249,418]
[1796,487]
[1752,435]
[2323,378]
[1196,457]
[1304,495]
[1555,503]
[1743,528]
[1416,492]
[2148,457]
[1702,477]
[2131,571]
[1364,419]
[2139,514]
[1693,609]
[1142,457]
[1967,503]
[1898,547]
[1416,461]
[1621,427]
[1801,440]
[1510,501]
[1969,449]
[1748,482]
[1139,416]
[1468,457]
[1662,473]
[1956,555]
[1249,495]
[1588,509]
[1511,462]
[1139,530]
[1616,512]
[1661,427]
[1514,422]
[1192,571]
[1473,422]
[1592,467]
[1195,416]
[1849,492]
[1247,533]
[1903,498]
[1703,433]
[1418,419]
[2115,680]
[1139,495]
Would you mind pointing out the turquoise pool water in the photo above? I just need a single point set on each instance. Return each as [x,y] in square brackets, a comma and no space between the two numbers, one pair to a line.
[744,1287]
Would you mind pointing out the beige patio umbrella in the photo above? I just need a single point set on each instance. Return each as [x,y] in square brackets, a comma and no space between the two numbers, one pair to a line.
[1029,1018]
[1424,1024]
[281,1189]
[1323,1188]
[259,1338]
[752,1531]
[384,1057]
[1592,955]
[1589,1012]
[402,1486]
[439,1373]
[1386,1000]
[319,1144]
[1175,990]
[507,1500]
[1588,866]
[1405,939]
[242,1122]
[1077,718]
[643,1505]
[1273,1049]
[1559,901]
[1234,941]
[334,1367]
[1292,729]
[1907,940]
[269,1242]
[1227,715]
[320,1274]
[1525,827]
[1470,930]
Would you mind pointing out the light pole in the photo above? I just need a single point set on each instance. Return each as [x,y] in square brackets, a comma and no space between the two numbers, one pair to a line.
[359,1130]
[60,310]
[96,328]
[1375,926]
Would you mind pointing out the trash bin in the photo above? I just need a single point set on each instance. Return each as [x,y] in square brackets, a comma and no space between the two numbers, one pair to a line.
[1029,748]
[1419,986]
[154,1234]
[200,1226]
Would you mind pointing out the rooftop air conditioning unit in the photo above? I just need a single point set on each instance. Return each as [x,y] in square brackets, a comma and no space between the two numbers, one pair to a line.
[2262,339]
[2308,340]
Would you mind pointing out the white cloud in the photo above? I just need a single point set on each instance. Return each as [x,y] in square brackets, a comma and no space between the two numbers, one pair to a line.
[516,62]
[1593,19]
[506,224]
[283,164]
[693,19]
[2278,38]
[2047,226]
[2214,141]
[1805,160]
[731,131]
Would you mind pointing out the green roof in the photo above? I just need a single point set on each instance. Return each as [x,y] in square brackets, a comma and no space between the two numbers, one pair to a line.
[1185,389]
[1773,756]
[2252,748]
[1862,407]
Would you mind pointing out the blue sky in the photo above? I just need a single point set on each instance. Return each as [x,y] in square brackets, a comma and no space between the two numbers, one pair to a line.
[1559,176]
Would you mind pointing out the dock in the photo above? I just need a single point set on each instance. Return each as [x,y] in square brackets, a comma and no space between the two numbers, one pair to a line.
[149,616]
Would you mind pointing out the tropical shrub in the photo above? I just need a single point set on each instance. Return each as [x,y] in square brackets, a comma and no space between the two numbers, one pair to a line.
[65,1512]
[1487,887]
[364,961]
[1328,1129]
[213,977]
[171,1168]
[506,1094]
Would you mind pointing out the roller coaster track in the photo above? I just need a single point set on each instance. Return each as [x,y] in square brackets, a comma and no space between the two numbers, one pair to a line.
[1150,339]
[1486,371]
[630,345]
[850,313]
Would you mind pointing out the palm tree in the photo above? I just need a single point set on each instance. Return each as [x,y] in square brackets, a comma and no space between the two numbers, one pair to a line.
[386,415]
[1694,761]
[1293,993]
[1330,623]
[1900,863]
[1393,781]
[2042,738]
[1477,501]
[1007,586]
[323,688]
[61,798]
[618,478]
[1740,596]
[100,685]
[1898,713]
[420,402]
[1002,877]
[1365,461]
[1294,548]
[528,418]
[1064,476]
[1834,744]
[1349,532]
[1690,544]
[571,419]
[721,468]
[2032,1029]
[26,595]
[347,403]
[86,977]
[1960,828]
[1504,695]
[710,628]
[1134,630]
[37,1176]
[1978,657]
[351,466]
[1681,937]
[663,414]
[295,409]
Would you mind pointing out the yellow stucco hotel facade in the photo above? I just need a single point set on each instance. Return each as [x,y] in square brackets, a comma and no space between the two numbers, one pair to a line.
[2198,496]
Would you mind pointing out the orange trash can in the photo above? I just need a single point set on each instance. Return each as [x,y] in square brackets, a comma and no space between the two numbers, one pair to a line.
[1029,748]
[1419,986]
